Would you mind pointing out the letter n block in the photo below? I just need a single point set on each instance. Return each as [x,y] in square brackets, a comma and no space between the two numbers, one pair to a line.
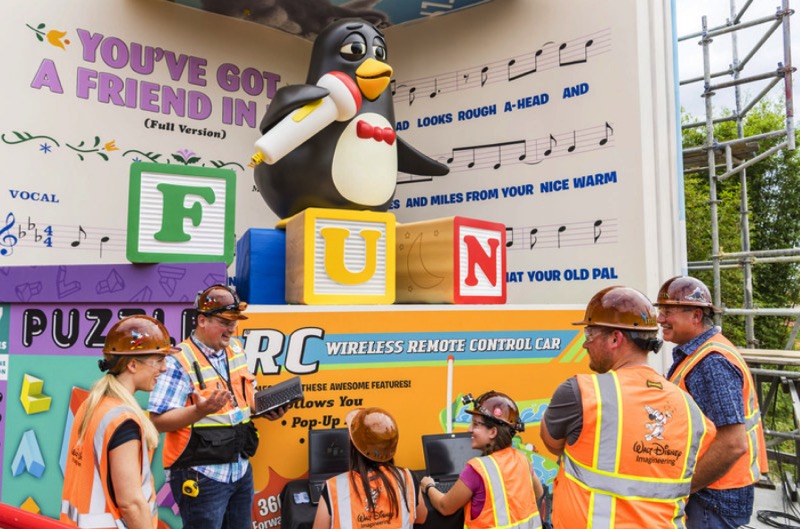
[451,260]
[336,256]
[180,213]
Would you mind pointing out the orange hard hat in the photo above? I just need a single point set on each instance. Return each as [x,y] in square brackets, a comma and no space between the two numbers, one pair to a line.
[620,308]
[219,300]
[498,407]
[373,432]
[138,335]
[687,291]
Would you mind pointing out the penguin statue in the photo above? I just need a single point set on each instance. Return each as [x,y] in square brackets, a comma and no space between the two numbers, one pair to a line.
[339,127]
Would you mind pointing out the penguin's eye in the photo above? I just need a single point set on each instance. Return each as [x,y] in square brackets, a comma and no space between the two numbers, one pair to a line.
[380,52]
[353,48]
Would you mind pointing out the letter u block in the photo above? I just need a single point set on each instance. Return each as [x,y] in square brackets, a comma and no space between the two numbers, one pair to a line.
[451,260]
[340,257]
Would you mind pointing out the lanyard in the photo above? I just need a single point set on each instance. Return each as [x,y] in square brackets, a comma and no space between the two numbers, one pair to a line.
[227,378]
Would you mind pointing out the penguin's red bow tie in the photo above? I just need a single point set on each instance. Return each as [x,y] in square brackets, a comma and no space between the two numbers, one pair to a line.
[365,131]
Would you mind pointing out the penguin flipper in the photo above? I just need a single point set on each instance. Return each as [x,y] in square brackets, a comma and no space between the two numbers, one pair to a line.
[410,160]
[288,99]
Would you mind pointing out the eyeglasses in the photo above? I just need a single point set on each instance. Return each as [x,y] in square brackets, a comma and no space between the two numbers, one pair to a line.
[479,423]
[228,324]
[590,333]
[155,363]
[666,313]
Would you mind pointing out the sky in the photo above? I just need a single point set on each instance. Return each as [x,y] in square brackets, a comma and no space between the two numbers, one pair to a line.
[689,15]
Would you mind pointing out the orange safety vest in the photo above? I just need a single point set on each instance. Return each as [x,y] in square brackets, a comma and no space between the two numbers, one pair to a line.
[632,464]
[86,501]
[241,381]
[748,468]
[510,499]
[348,504]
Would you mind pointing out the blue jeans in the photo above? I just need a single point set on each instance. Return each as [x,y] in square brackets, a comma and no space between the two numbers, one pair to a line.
[701,516]
[217,505]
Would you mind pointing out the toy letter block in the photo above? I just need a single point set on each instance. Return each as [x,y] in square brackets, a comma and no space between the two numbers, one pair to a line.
[31,395]
[180,214]
[451,260]
[340,257]
[261,267]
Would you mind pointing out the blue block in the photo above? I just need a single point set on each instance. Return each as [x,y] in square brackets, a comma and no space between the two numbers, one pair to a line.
[261,267]
[28,457]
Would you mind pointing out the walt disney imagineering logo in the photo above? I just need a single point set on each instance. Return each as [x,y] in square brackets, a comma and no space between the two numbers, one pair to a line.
[652,451]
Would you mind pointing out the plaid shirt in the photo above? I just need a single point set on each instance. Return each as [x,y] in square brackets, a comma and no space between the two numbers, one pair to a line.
[716,386]
[172,389]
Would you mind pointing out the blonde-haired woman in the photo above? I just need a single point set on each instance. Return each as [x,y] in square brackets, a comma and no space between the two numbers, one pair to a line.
[107,481]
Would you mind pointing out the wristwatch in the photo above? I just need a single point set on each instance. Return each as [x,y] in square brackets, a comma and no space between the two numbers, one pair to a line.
[428,487]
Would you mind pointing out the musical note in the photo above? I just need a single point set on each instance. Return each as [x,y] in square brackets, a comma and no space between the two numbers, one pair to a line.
[572,147]
[533,238]
[576,61]
[536,56]
[393,87]
[518,66]
[435,88]
[411,95]
[509,237]
[596,228]
[553,143]
[8,240]
[558,235]
[102,242]
[605,140]
[77,243]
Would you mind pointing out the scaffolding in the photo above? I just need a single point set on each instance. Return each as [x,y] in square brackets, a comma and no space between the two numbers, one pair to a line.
[723,160]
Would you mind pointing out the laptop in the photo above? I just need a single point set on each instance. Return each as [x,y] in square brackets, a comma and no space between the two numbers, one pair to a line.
[446,455]
[280,394]
[328,456]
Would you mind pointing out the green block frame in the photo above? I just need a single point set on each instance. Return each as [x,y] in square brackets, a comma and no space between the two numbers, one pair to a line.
[134,210]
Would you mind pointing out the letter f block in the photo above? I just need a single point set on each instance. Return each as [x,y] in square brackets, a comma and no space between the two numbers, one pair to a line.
[180,214]
[336,256]
[451,260]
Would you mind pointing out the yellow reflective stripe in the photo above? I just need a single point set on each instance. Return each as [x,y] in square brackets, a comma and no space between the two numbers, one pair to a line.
[598,421]
[618,447]
[587,488]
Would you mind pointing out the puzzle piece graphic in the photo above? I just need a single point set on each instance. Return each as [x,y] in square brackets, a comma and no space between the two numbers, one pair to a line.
[164,499]
[28,457]
[31,506]
[31,396]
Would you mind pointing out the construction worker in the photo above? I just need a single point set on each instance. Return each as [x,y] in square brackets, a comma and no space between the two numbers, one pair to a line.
[628,439]
[708,366]
[203,404]
[393,501]
[107,479]
[499,488]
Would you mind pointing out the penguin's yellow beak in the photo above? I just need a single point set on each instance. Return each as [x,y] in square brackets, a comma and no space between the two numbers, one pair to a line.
[373,77]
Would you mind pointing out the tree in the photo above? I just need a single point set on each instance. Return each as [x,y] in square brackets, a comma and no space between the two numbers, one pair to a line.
[773,189]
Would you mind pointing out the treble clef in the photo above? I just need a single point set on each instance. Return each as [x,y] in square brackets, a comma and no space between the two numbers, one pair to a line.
[8,240]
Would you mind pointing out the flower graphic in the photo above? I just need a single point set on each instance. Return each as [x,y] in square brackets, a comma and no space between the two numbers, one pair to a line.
[111,146]
[186,156]
[54,36]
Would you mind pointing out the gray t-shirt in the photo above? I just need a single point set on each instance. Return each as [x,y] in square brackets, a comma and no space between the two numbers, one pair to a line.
[564,415]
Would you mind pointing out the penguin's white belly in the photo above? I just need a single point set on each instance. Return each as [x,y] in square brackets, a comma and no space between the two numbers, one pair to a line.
[364,170]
